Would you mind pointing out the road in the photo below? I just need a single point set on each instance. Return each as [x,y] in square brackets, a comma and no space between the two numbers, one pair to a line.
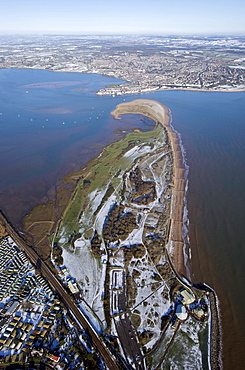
[71,306]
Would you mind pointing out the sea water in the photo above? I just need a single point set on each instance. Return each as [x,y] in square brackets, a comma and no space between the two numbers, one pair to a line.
[52,123]
[212,127]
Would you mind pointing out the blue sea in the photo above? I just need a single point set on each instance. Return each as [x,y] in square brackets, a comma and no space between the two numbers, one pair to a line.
[52,123]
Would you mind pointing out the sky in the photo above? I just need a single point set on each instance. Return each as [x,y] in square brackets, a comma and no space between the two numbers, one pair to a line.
[122,17]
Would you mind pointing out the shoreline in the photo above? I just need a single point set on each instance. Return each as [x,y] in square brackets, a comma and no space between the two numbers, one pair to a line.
[234,90]
[200,90]
[151,90]
[160,113]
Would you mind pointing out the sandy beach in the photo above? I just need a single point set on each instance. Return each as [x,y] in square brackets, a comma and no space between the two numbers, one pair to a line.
[159,113]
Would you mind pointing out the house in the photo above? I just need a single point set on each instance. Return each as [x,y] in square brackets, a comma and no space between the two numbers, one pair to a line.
[40,324]
[24,335]
[181,312]
[19,345]
[44,332]
[187,297]
[14,357]
[12,346]
[29,328]
[9,341]
[73,287]
[53,358]
[198,312]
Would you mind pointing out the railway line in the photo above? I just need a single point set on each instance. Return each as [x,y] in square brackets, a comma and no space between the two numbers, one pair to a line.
[81,319]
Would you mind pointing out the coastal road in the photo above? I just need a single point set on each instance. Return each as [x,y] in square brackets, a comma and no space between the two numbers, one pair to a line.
[77,314]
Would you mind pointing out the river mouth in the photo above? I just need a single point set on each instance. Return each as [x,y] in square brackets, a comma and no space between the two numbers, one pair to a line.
[210,124]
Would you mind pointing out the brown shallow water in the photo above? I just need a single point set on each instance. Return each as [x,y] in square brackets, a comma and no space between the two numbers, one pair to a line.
[214,140]
[204,270]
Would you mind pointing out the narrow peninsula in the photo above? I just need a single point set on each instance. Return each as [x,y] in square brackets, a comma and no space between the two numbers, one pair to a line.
[159,113]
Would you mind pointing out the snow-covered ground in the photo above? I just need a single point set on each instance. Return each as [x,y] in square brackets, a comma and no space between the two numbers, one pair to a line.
[148,299]
[90,275]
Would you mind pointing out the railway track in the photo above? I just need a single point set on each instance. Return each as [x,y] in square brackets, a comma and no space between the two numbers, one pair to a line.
[81,319]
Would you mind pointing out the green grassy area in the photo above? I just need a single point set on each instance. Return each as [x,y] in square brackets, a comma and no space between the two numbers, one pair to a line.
[203,345]
[100,170]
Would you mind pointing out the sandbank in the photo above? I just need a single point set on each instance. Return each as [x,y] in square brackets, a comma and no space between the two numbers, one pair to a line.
[160,114]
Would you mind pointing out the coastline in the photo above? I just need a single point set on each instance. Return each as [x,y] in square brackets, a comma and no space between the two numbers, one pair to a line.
[160,113]
[202,90]
[107,91]
[203,94]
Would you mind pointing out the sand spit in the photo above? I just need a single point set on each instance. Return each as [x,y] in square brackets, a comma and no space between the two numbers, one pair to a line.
[160,113]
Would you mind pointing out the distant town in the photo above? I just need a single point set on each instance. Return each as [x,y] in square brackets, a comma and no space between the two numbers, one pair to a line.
[145,63]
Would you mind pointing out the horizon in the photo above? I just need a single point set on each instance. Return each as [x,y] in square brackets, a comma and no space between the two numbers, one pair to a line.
[64,17]
[132,35]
